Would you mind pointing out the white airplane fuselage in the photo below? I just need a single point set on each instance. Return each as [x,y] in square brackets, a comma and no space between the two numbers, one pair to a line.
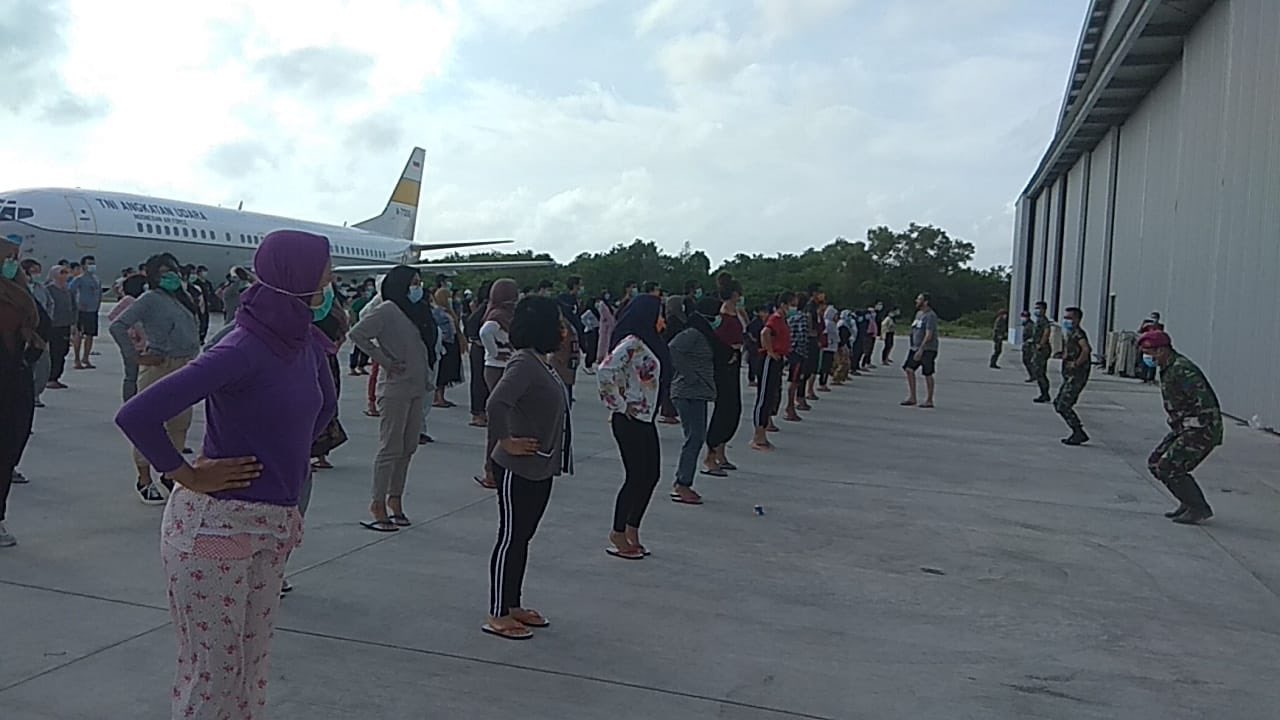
[122,230]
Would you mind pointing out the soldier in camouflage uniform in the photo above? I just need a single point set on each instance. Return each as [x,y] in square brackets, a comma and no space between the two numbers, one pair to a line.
[1076,360]
[999,333]
[1195,422]
[1040,359]
[1028,345]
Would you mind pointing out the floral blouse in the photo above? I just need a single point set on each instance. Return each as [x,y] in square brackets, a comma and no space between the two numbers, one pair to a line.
[628,379]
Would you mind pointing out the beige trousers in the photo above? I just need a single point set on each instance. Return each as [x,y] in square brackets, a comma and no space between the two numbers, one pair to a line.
[398,427]
[176,427]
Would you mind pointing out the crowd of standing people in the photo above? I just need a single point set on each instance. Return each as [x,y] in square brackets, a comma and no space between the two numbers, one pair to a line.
[269,380]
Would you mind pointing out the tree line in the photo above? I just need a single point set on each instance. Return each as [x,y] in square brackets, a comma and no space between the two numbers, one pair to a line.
[888,266]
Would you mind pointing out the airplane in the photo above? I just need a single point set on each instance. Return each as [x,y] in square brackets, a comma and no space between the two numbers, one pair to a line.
[121,230]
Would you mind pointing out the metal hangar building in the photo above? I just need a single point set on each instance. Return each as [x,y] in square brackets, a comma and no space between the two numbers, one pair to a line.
[1160,190]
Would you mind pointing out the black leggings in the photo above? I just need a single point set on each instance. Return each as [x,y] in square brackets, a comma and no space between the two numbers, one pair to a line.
[825,363]
[888,348]
[479,388]
[521,503]
[728,410]
[642,459]
[59,346]
[17,408]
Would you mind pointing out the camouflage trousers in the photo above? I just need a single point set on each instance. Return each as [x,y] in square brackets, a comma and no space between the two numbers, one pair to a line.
[1040,371]
[1028,361]
[1072,385]
[997,345]
[1173,460]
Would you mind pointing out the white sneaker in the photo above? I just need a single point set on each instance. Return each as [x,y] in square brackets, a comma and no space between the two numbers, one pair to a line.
[6,540]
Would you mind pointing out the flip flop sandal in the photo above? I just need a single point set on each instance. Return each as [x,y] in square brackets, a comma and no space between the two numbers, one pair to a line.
[625,554]
[926,405]
[676,497]
[399,520]
[439,405]
[374,413]
[382,526]
[541,621]
[718,472]
[728,466]
[322,465]
[484,483]
[907,403]
[515,633]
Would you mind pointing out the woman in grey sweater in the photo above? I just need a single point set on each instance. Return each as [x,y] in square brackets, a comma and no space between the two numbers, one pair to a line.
[63,315]
[693,386]
[168,317]
[530,430]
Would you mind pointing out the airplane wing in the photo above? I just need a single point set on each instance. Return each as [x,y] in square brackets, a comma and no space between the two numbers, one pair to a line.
[424,247]
[493,265]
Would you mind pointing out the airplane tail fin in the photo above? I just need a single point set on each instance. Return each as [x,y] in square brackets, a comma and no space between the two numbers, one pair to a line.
[400,217]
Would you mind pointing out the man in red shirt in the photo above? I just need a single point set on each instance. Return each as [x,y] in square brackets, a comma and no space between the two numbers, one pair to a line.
[775,343]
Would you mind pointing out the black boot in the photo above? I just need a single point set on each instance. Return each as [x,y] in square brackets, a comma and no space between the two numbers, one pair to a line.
[1191,496]
[1178,511]
[1043,399]
[1078,437]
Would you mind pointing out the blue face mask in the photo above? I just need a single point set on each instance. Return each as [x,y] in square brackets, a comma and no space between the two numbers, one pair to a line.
[715,322]
[1149,361]
[1068,326]
[9,270]
[1038,313]
[415,293]
[320,313]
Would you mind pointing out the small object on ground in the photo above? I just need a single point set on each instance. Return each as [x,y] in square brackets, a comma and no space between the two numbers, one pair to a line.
[285,588]
[932,571]
[759,510]
[187,451]
[19,478]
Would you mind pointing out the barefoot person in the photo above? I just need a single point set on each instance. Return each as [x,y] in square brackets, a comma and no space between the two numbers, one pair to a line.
[233,518]
[632,377]
[528,413]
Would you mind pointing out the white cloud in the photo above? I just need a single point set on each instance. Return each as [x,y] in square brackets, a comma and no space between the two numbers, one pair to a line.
[737,131]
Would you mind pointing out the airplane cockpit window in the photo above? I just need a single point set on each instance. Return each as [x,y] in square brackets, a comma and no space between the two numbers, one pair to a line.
[8,213]
[24,213]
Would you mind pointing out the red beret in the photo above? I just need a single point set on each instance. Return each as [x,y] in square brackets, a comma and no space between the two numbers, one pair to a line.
[1154,339]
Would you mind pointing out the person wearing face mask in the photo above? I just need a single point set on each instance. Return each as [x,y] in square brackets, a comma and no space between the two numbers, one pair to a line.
[86,291]
[63,317]
[1195,426]
[726,321]
[1028,345]
[693,387]
[400,335]
[167,316]
[633,378]
[887,333]
[20,347]
[775,343]
[234,515]
[1043,348]
[44,305]
[1077,358]
[999,331]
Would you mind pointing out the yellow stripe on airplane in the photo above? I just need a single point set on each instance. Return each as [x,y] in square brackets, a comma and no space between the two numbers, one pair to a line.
[406,192]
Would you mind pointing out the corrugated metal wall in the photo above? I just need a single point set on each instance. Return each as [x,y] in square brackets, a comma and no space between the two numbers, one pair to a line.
[1197,208]
[1072,241]
[1053,276]
[1039,244]
[1093,292]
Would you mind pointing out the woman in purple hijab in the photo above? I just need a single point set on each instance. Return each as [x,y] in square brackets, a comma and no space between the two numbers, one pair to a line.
[233,519]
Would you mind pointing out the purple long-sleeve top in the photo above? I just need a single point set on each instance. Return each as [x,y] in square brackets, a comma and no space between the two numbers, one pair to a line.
[257,403]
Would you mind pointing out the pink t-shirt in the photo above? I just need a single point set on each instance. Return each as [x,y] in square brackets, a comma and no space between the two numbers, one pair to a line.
[136,335]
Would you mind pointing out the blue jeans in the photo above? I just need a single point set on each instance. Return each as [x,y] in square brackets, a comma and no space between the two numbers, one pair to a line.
[693,421]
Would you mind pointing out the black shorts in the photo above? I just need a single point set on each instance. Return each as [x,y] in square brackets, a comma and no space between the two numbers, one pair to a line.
[927,363]
[87,323]
[798,368]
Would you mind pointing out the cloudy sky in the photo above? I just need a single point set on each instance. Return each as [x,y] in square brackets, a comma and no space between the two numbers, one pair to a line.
[571,125]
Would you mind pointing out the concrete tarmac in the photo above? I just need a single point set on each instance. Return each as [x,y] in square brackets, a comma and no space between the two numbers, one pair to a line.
[949,563]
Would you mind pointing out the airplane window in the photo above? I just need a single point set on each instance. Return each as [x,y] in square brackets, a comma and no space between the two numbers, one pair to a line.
[166,230]
[139,227]
[8,213]
[228,237]
[24,213]
[185,233]
[149,228]
[242,237]
[202,235]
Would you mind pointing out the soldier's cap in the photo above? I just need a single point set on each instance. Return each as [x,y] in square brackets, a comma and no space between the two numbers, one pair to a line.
[1155,339]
